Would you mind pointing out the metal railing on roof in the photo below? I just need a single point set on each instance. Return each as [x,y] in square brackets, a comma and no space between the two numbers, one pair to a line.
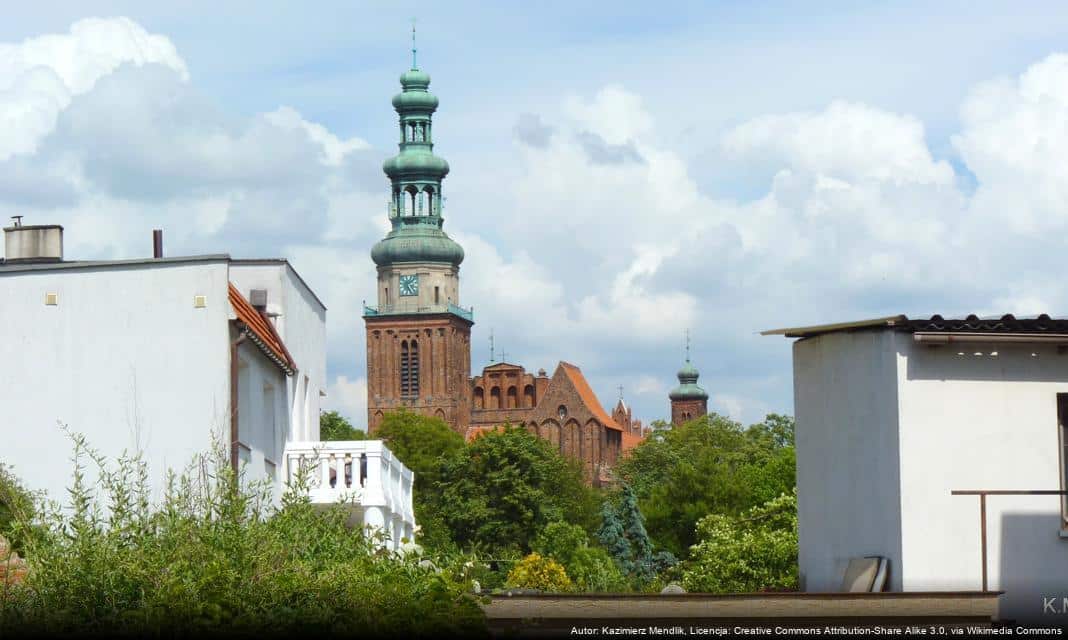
[395,309]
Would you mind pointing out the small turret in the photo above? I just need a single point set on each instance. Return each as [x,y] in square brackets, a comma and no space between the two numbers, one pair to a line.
[688,401]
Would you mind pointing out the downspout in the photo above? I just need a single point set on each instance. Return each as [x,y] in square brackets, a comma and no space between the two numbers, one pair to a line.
[234,400]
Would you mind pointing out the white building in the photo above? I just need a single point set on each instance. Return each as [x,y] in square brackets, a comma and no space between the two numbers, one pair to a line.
[156,355]
[895,414]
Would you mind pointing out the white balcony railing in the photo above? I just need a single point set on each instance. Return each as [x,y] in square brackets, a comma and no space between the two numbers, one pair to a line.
[361,473]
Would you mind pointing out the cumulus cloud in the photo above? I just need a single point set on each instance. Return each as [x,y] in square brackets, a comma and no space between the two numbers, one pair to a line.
[349,398]
[599,247]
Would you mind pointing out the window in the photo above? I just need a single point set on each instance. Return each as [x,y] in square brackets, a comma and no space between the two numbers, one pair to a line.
[409,369]
[437,295]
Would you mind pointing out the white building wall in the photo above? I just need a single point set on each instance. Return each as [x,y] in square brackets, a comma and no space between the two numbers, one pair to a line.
[300,320]
[263,418]
[982,422]
[124,357]
[847,455]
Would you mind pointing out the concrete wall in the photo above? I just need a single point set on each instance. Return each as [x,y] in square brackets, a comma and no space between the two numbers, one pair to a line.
[974,420]
[123,357]
[847,454]
[263,416]
[300,320]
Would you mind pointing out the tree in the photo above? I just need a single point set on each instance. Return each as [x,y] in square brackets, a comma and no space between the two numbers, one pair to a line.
[422,443]
[334,426]
[709,465]
[623,533]
[506,486]
[755,551]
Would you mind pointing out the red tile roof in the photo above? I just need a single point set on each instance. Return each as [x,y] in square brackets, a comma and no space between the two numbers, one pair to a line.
[473,433]
[630,441]
[261,331]
[588,397]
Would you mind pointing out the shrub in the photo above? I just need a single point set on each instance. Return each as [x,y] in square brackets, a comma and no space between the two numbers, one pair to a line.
[538,572]
[216,555]
[591,568]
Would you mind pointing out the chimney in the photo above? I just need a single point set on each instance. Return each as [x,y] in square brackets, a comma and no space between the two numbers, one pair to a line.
[157,243]
[258,299]
[33,243]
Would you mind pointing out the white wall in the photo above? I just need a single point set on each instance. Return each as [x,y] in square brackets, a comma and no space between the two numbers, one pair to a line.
[124,357]
[263,417]
[300,320]
[847,454]
[982,422]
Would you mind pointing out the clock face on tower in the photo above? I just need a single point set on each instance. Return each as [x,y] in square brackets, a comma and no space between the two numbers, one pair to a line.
[409,285]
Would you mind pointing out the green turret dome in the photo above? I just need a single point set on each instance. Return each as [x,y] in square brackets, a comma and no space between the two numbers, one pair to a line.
[688,389]
[417,243]
[416,164]
[415,80]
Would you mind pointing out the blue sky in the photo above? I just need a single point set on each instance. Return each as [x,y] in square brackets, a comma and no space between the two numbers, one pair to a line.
[620,171]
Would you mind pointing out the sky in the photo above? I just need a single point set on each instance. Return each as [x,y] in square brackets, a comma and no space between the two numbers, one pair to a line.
[621,172]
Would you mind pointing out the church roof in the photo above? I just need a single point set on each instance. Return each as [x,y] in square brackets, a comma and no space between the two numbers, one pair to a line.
[260,330]
[588,397]
[630,441]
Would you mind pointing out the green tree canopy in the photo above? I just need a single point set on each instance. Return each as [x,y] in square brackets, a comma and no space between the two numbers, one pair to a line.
[334,426]
[506,486]
[754,551]
[420,442]
[709,465]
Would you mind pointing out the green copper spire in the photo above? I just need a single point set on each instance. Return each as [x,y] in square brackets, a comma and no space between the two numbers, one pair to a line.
[415,175]
[688,375]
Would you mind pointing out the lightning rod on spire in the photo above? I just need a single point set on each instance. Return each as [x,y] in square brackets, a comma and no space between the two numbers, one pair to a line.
[414,66]
[687,345]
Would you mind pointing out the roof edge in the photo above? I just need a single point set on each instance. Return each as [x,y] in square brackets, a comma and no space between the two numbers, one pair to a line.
[888,322]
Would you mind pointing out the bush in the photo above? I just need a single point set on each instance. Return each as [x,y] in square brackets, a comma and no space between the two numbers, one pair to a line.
[538,572]
[756,551]
[591,568]
[16,505]
[215,556]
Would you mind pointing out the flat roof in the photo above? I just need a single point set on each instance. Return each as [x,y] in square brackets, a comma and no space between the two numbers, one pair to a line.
[31,265]
[973,324]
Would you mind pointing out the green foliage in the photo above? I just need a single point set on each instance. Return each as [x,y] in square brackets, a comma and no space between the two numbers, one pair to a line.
[216,556]
[334,426]
[538,572]
[709,465]
[623,533]
[16,505]
[506,486]
[422,443]
[591,568]
[752,552]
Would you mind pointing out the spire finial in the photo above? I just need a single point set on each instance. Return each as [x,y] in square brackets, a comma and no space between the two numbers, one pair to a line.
[491,346]
[620,392]
[687,345]
[414,65]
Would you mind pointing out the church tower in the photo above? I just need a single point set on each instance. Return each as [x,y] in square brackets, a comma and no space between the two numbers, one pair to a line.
[688,401]
[418,337]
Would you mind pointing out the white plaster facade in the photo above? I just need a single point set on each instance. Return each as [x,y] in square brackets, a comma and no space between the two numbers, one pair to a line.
[136,355]
[887,427]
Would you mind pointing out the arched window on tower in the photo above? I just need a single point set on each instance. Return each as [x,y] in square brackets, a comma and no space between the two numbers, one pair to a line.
[410,195]
[409,370]
[430,209]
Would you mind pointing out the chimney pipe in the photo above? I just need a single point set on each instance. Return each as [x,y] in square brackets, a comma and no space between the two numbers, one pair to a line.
[157,243]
